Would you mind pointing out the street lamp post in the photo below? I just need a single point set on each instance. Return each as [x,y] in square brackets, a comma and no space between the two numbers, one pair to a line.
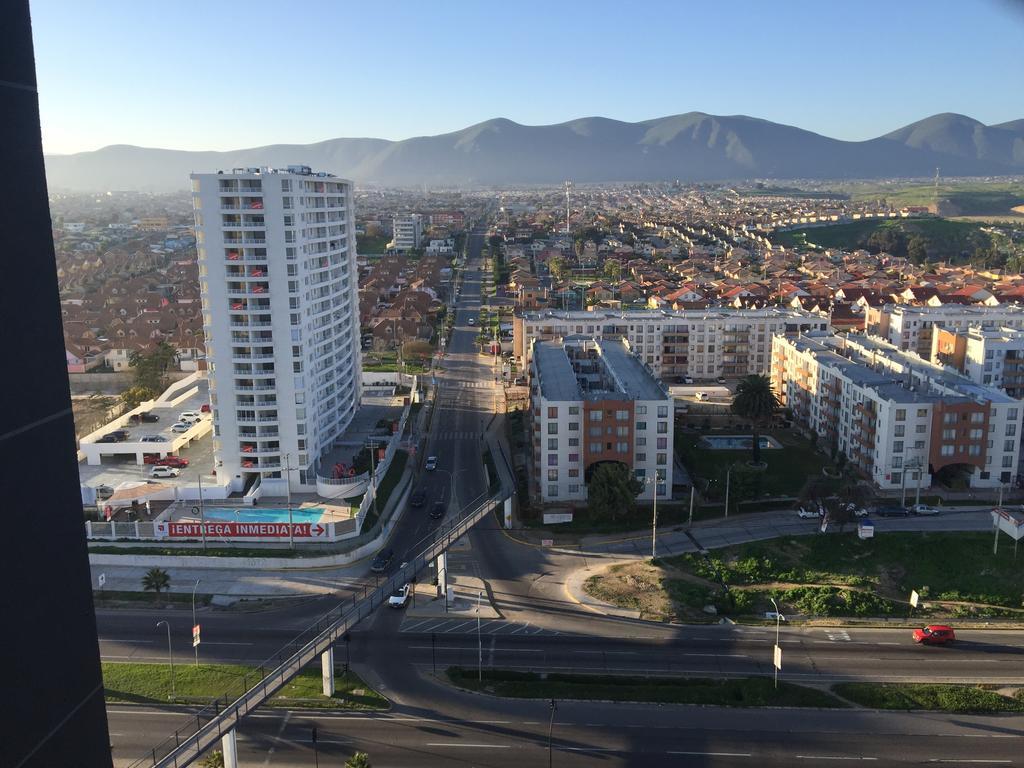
[551,726]
[202,520]
[654,521]
[479,640]
[728,477]
[195,645]
[288,492]
[778,619]
[170,656]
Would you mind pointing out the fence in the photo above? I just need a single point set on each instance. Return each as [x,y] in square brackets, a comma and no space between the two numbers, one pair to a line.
[186,744]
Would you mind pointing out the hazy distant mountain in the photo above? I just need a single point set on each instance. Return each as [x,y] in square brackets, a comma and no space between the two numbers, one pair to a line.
[690,147]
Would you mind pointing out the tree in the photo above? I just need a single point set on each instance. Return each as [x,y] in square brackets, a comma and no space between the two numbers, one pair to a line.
[358,760]
[156,580]
[557,267]
[612,490]
[417,350]
[612,270]
[150,368]
[213,760]
[755,401]
[135,395]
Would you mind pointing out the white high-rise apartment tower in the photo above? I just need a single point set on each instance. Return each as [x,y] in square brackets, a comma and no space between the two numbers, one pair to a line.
[277,272]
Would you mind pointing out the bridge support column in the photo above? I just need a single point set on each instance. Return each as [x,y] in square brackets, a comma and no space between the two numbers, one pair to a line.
[229,747]
[508,513]
[327,670]
[442,575]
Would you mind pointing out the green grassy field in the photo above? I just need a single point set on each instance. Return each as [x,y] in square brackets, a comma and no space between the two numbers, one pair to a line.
[371,244]
[151,683]
[969,198]
[735,692]
[934,697]
[811,574]
[788,468]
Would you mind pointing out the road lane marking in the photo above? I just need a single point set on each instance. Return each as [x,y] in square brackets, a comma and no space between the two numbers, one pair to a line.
[986,762]
[833,757]
[124,640]
[211,642]
[711,754]
[473,746]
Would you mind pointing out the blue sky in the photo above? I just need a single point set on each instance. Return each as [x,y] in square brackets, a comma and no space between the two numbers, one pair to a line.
[219,74]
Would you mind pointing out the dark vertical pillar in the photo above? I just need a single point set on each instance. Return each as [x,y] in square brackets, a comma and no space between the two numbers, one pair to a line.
[49,655]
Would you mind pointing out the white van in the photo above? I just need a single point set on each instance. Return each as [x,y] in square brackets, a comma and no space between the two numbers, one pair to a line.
[189,417]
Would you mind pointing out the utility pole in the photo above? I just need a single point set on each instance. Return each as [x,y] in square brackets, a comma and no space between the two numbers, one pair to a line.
[689,522]
[654,522]
[288,492]
[551,726]
[202,520]
[170,655]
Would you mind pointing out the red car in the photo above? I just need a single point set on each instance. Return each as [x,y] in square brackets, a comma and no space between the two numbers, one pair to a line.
[171,461]
[205,408]
[934,634]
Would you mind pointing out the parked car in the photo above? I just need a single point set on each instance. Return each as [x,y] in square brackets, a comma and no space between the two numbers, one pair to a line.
[172,461]
[180,426]
[400,596]
[138,418]
[189,416]
[164,472]
[702,396]
[472,321]
[206,408]
[418,498]
[934,634]
[437,510]
[107,439]
[892,512]
[120,434]
[720,379]
[431,464]
[104,492]
[857,511]
[382,560]
[153,439]
[687,379]
[808,514]
[923,509]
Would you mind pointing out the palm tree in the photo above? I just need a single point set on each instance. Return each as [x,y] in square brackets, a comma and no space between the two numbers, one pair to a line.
[358,760]
[754,400]
[156,580]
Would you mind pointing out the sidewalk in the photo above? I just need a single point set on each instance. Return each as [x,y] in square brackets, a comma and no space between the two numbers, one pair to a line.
[467,590]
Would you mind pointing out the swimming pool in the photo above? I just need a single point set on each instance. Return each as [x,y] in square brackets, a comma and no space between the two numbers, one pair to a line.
[262,514]
[737,442]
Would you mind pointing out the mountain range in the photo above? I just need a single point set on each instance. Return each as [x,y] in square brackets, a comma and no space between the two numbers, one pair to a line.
[689,147]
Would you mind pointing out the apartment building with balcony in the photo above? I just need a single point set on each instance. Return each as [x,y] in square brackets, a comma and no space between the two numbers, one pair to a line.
[894,415]
[673,344]
[911,327]
[989,356]
[278,279]
[407,232]
[593,401]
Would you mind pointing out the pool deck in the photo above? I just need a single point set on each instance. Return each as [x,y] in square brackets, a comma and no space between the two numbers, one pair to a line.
[341,515]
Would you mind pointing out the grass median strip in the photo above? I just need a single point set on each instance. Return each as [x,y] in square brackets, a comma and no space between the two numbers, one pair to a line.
[151,684]
[929,696]
[733,692]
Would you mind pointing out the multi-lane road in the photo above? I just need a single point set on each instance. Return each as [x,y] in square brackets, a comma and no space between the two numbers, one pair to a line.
[541,628]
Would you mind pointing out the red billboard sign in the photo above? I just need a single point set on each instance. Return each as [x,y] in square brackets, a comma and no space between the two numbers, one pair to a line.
[229,530]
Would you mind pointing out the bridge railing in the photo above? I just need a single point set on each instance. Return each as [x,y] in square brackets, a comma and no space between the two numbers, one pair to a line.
[210,723]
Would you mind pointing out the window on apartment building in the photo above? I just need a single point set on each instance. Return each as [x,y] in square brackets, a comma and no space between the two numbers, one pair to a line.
[552,443]
[918,444]
[574,457]
[622,431]
[901,414]
[974,450]
[552,490]
[552,412]
[897,447]
[286,185]
[897,478]
[574,426]
[641,426]
[946,450]
[977,417]
[574,442]
[976,434]
[552,428]
[921,429]
[595,447]
[1011,430]
[662,411]
[1011,414]
[574,488]
[641,457]
[662,443]
[574,410]
[897,462]
[552,459]
[662,459]
[292,270]
[296,366]
[621,415]
[1009,445]
[662,427]
[596,415]
[552,475]
[948,434]
[1007,462]
[622,447]
[596,431]
[640,441]
[922,412]
[641,410]
[900,429]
